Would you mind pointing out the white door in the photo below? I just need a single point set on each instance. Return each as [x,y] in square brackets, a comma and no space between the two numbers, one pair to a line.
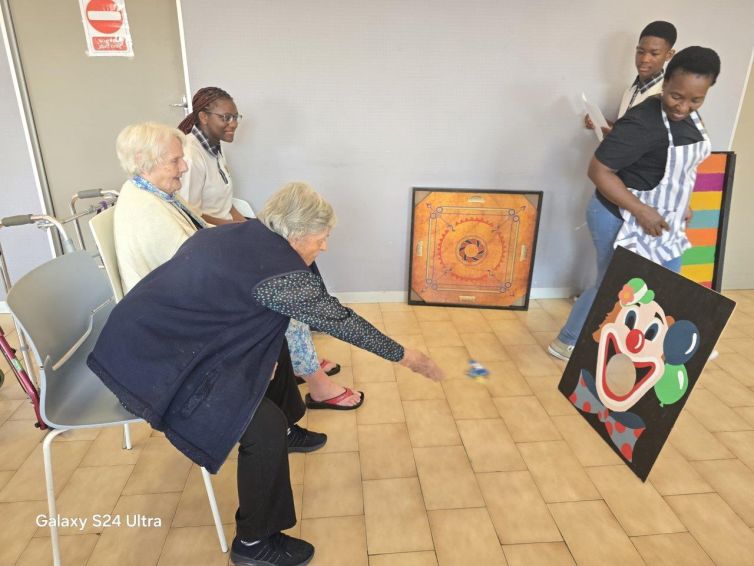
[80,103]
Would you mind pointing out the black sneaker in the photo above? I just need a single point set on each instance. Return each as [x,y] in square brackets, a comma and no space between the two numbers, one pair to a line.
[302,440]
[276,550]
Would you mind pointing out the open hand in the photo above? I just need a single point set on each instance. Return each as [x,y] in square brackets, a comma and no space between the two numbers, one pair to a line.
[421,363]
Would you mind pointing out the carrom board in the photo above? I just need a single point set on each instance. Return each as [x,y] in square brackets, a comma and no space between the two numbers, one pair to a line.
[472,247]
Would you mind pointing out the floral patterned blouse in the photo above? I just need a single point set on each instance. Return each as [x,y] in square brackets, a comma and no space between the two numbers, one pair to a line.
[303,297]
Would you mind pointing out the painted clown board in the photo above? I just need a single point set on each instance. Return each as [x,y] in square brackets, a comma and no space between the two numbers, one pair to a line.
[645,342]
[473,247]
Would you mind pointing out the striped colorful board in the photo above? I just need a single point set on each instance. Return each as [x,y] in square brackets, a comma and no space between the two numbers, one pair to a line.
[703,263]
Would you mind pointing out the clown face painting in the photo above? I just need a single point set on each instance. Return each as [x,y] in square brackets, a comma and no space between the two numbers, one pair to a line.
[639,330]
[639,354]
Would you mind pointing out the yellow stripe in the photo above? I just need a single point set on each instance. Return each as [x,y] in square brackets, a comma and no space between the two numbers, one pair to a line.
[697,273]
[706,200]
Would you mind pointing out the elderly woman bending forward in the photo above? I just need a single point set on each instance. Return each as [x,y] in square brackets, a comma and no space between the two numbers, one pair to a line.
[192,347]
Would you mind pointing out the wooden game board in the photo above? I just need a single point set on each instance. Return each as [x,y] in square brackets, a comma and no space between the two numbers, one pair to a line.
[473,248]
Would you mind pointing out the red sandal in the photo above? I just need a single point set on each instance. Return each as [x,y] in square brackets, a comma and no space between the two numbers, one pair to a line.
[332,403]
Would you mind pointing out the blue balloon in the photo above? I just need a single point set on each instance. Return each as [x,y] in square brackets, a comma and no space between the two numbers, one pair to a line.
[681,342]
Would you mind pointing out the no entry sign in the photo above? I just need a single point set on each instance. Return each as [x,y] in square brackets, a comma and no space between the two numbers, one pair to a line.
[106,27]
[104,16]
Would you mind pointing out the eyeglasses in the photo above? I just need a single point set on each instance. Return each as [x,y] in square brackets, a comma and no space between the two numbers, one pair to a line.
[227,118]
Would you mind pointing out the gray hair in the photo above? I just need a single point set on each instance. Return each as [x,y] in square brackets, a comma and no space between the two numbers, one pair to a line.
[297,210]
[140,146]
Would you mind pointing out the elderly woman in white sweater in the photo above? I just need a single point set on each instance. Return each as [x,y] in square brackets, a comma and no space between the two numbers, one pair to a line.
[150,221]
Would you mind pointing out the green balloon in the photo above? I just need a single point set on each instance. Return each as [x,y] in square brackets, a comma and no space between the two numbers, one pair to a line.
[672,385]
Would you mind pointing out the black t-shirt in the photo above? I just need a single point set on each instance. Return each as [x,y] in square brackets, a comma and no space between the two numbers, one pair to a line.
[637,147]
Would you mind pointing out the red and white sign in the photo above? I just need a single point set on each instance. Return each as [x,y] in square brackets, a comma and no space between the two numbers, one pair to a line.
[106,27]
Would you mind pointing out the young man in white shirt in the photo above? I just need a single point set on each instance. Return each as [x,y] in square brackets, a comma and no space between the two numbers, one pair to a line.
[655,48]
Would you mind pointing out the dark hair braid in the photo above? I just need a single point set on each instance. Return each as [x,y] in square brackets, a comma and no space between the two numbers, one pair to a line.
[203,98]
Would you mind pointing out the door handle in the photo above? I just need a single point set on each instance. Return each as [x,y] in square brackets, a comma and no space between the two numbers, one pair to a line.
[182,104]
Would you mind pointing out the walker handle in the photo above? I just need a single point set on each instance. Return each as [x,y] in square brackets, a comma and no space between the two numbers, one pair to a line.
[17,220]
[89,193]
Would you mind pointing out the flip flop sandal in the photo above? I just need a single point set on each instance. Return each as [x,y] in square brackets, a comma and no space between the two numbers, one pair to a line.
[332,403]
[332,371]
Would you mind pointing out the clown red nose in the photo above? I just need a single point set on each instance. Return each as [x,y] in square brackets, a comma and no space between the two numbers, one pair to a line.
[635,341]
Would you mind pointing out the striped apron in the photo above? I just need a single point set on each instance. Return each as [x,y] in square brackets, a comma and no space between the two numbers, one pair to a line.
[670,198]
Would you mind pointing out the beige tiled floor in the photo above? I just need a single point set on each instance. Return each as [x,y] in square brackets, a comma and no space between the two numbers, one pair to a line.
[459,473]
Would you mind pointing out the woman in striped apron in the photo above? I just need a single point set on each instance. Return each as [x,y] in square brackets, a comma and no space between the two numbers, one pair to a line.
[643,203]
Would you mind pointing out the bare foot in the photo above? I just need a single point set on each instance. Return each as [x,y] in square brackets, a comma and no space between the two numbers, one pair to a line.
[322,388]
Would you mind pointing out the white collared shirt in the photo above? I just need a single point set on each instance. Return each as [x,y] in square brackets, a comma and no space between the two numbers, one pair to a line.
[636,94]
[202,186]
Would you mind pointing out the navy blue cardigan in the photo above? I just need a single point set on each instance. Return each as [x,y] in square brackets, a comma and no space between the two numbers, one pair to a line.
[190,349]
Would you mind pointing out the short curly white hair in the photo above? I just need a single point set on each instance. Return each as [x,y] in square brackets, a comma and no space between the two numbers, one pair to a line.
[296,211]
[140,146]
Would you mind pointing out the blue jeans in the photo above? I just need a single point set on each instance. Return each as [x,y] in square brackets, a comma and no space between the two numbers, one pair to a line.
[603,226]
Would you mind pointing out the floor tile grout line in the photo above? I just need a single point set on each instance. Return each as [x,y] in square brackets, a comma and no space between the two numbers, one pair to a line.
[57,488]
[167,535]
[671,534]
[99,534]
[419,481]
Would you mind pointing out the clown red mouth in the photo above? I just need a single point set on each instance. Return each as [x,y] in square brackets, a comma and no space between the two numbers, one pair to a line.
[643,369]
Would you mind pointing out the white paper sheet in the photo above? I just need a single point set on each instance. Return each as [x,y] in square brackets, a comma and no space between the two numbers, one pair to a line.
[594,112]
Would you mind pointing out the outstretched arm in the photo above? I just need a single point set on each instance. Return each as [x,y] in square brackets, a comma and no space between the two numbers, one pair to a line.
[302,295]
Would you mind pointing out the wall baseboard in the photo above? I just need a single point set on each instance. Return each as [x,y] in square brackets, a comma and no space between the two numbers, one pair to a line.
[553,292]
[402,296]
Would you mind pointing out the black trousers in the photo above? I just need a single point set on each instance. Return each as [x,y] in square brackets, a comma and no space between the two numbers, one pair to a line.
[283,389]
[265,499]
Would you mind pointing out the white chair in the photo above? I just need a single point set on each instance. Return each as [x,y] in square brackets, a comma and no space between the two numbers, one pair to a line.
[244,208]
[101,226]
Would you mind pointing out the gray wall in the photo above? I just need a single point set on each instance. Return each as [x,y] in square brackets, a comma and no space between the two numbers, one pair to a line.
[367,98]
[738,270]
[24,247]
